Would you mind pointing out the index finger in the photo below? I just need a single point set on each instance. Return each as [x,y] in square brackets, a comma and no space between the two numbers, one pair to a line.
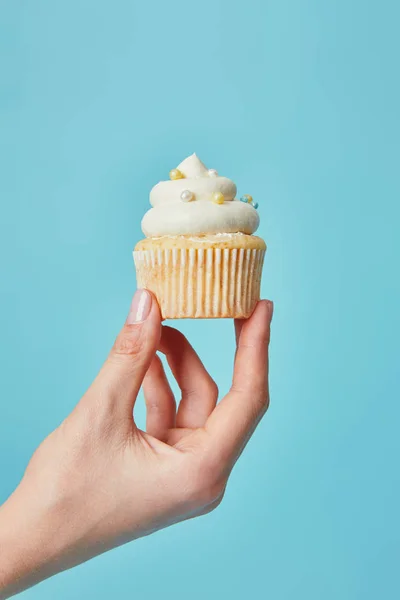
[235,418]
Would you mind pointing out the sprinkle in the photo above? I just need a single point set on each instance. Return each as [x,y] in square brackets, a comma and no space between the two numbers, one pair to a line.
[187,196]
[212,173]
[218,198]
[247,198]
[254,204]
[176,174]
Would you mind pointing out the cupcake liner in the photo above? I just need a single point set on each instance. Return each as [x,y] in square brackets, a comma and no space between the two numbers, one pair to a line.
[201,283]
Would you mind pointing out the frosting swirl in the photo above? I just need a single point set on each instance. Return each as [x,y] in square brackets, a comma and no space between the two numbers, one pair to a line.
[198,202]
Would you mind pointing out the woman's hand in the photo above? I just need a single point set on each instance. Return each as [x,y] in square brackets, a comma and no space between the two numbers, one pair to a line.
[98,481]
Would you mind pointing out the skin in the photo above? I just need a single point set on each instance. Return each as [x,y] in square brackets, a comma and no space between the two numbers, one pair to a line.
[98,481]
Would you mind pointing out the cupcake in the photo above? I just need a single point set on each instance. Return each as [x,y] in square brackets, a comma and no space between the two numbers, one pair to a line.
[200,257]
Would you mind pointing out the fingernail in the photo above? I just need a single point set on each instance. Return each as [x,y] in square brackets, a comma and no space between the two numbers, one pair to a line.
[140,307]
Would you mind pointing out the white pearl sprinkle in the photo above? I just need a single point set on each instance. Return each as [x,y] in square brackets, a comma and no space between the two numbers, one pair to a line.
[212,173]
[187,196]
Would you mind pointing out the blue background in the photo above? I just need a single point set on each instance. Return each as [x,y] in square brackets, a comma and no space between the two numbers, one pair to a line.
[298,102]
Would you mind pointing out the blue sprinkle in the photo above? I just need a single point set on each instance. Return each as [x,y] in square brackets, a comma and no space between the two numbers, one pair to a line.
[244,199]
[254,204]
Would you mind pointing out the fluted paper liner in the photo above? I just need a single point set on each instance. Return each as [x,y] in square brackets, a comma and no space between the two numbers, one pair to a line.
[201,283]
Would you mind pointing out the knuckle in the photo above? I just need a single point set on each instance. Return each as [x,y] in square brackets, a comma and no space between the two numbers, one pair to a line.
[212,497]
[262,400]
[207,484]
[213,505]
[130,341]
[213,389]
[260,406]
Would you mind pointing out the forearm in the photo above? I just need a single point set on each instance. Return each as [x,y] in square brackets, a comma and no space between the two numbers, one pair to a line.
[40,538]
[28,544]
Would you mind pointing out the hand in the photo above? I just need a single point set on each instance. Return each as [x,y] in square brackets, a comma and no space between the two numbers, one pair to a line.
[98,481]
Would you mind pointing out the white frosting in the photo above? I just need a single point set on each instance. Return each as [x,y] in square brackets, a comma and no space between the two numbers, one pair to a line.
[206,239]
[171,216]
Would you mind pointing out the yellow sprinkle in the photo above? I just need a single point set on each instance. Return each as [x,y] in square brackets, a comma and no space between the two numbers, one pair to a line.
[176,174]
[218,198]
[247,198]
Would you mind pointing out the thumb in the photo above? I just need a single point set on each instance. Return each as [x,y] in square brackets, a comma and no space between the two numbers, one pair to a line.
[122,374]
